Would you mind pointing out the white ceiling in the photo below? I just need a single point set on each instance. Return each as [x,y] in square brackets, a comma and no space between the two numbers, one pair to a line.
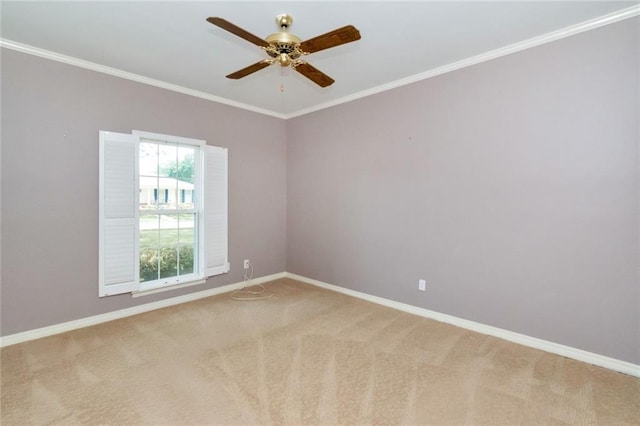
[172,42]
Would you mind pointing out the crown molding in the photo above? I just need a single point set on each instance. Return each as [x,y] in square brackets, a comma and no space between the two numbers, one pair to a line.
[70,60]
[569,31]
[483,57]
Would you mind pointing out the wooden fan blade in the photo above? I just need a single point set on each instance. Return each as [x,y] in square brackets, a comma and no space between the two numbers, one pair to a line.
[314,74]
[234,29]
[331,39]
[249,70]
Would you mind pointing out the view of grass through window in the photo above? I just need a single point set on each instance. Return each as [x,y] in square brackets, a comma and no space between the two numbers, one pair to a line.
[168,243]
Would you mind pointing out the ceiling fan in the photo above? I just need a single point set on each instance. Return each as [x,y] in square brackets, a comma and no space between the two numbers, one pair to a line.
[287,49]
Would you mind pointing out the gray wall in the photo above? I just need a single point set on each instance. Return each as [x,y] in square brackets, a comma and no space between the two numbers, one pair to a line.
[51,115]
[510,186]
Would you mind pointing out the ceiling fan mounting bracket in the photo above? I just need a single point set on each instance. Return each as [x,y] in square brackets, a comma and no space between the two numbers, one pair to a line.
[284,20]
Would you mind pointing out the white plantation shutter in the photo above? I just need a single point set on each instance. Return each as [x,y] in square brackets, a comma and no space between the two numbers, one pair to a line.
[118,248]
[119,193]
[215,210]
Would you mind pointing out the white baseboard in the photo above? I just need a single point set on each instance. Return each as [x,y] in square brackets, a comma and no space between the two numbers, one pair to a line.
[38,333]
[533,342]
[555,348]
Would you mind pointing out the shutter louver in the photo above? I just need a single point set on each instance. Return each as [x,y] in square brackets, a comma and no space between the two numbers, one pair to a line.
[216,232]
[118,263]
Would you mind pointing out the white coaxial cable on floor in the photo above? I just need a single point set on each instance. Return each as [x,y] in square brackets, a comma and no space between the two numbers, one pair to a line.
[248,291]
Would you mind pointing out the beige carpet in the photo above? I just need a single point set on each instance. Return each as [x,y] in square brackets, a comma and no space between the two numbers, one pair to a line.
[305,356]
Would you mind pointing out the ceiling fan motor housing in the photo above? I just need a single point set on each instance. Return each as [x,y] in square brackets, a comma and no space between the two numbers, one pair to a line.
[284,47]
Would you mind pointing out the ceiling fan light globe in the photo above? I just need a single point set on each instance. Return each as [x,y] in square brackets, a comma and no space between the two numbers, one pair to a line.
[284,60]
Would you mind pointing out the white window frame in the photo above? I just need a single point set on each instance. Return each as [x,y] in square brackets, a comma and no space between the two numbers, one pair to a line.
[211,235]
[198,273]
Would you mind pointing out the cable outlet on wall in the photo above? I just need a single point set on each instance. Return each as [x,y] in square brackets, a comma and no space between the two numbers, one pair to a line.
[246,264]
[422,285]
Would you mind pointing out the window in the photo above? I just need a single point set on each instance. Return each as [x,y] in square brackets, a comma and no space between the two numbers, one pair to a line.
[168,230]
[163,211]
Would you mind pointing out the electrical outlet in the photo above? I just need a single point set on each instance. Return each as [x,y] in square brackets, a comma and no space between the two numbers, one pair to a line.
[422,285]
[246,264]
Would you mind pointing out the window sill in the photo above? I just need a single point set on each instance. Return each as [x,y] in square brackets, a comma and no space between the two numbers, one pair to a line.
[164,288]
